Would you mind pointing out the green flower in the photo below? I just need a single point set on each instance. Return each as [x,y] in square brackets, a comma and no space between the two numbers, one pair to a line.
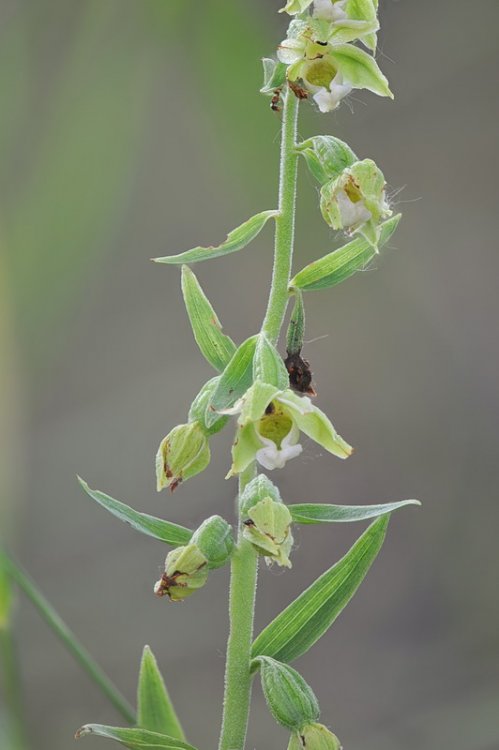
[182,454]
[186,571]
[269,425]
[356,201]
[268,528]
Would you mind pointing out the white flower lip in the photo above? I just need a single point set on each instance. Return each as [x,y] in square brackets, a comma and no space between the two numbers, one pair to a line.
[328,99]
[271,457]
[351,213]
[329,10]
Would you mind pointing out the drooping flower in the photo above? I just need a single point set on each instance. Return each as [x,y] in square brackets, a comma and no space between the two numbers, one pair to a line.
[269,425]
[268,528]
[356,200]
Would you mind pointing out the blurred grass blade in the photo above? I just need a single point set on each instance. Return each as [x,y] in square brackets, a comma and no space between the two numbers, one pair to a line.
[171,533]
[305,620]
[6,594]
[236,240]
[339,265]
[216,347]
[62,631]
[12,714]
[310,513]
[155,710]
[135,739]
[234,381]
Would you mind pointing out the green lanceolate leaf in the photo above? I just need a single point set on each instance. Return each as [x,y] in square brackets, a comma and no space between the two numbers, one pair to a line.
[234,381]
[290,699]
[305,620]
[155,710]
[274,75]
[236,240]
[135,739]
[216,347]
[165,531]
[360,69]
[339,265]
[268,365]
[326,156]
[310,513]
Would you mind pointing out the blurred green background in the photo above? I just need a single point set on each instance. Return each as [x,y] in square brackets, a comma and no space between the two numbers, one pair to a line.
[134,128]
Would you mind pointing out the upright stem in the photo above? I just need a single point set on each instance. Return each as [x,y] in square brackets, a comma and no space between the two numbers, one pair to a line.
[243,576]
[285,221]
[244,562]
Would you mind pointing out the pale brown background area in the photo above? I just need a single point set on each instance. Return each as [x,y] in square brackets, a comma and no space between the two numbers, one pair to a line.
[134,128]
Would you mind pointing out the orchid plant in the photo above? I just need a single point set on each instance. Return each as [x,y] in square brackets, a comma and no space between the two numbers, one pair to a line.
[328,52]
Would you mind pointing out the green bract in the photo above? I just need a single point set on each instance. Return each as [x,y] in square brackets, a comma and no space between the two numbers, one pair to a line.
[258,489]
[216,347]
[182,454]
[268,528]
[209,422]
[339,265]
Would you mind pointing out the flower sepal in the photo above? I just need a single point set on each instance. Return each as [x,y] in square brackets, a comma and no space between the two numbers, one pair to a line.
[182,454]
[268,527]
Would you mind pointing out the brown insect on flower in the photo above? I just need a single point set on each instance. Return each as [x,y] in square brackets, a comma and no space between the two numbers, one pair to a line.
[275,102]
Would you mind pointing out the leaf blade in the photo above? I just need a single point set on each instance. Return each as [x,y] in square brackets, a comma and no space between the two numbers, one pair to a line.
[135,738]
[311,513]
[236,240]
[216,347]
[155,711]
[339,265]
[312,613]
[170,533]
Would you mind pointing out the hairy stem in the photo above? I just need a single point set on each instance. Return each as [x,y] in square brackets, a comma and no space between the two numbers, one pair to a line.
[245,559]
[244,568]
[285,221]
[70,641]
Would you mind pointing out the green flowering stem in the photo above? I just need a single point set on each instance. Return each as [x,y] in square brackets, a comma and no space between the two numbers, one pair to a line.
[70,641]
[285,221]
[244,568]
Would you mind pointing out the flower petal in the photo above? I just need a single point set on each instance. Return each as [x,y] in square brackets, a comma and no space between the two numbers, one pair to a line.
[315,424]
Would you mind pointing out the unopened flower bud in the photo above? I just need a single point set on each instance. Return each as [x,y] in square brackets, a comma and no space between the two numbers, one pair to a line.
[197,412]
[182,454]
[258,489]
[355,201]
[290,699]
[268,528]
[186,570]
[314,737]
[214,540]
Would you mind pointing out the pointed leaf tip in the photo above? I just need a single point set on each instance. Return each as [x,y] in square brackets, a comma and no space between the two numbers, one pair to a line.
[216,347]
[170,533]
[236,240]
